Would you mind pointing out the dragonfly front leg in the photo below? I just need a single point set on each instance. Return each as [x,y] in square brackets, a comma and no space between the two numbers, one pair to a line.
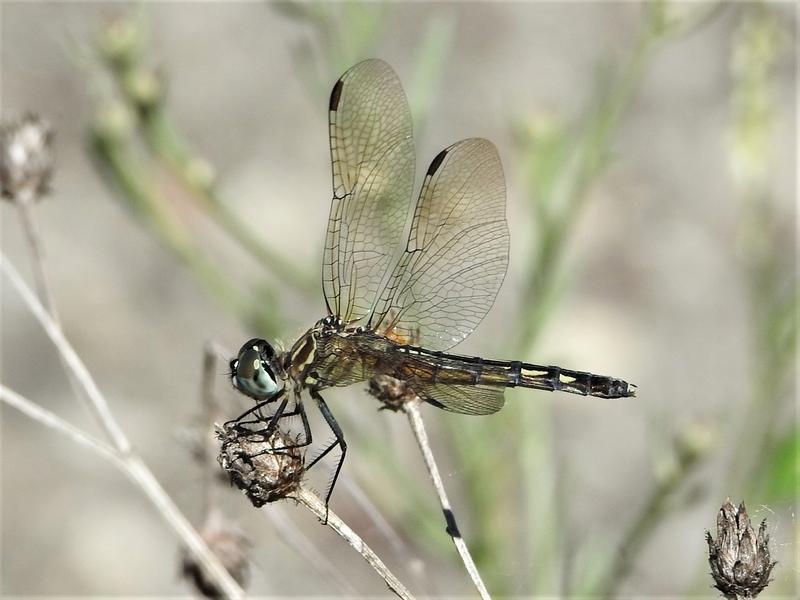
[337,431]
[299,409]
[258,406]
[272,425]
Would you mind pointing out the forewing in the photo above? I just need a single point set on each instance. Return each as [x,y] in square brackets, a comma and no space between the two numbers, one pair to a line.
[464,399]
[457,252]
[372,155]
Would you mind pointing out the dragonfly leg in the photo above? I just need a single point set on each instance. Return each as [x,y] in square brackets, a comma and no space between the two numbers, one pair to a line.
[306,427]
[271,425]
[258,406]
[299,409]
[337,431]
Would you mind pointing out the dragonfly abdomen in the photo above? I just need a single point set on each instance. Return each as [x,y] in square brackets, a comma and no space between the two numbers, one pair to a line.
[553,379]
[575,382]
[464,370]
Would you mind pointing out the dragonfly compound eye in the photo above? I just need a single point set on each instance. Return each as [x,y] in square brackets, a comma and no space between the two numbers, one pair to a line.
[251,372]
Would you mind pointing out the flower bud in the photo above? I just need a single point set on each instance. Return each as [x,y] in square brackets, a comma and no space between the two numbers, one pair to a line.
[114,123]
[120,42]
[739,558]
[144,87]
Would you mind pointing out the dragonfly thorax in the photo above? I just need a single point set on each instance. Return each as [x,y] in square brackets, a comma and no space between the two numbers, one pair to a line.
[255,370]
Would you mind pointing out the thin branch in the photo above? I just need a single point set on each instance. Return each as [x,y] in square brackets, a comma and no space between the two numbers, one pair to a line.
[418,426]
[73,361]
[133,465]
[53,421]
[415,566]
[180,524]
[213,354]
[136,184]
[134,468]
[315,505]
[24,202]
[211,414]
[691,445]
[164,142]
[295,539]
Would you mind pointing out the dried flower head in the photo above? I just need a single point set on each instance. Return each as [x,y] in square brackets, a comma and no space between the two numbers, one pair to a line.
[26,157]
[394,393]
[739,559]
[231,546]
[266,468]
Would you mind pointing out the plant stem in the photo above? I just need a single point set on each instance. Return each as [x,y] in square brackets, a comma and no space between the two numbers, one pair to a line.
[166,145]
[418,427]
[71,358]
[145,201]
[25,203]
[53,421]
[133,465]
[626,553]
[134,468]
[316,506]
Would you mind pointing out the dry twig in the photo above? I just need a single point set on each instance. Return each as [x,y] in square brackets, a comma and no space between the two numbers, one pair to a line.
[418,427]
[308,499]
[124,458]
[397,395]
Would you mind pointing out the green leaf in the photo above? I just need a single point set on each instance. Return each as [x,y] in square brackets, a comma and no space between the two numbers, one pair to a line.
[784,474]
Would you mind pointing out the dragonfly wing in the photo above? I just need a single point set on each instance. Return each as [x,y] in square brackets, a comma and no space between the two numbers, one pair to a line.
[464,399]
[372,155]
[457,251]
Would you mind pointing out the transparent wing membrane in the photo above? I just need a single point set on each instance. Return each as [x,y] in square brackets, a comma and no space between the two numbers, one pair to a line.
[464,399]
[456,256]
[395,305]
[434,291]
[372,155]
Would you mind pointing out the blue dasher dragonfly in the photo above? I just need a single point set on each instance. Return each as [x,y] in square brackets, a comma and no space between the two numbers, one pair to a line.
[400,289]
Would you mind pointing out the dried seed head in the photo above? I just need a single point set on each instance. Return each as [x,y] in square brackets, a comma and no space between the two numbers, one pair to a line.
[265,468]
[26,157]
[739,558]
[231,546]
[394,393]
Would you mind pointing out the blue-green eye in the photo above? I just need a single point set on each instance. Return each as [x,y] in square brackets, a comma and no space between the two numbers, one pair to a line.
[251,372]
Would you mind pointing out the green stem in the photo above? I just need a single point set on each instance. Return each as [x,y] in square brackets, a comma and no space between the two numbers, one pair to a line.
[165,144]
[129,177]
[638,533]
[544,285]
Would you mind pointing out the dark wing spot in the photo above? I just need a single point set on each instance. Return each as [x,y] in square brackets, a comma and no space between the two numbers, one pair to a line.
[336,94]
[436,163]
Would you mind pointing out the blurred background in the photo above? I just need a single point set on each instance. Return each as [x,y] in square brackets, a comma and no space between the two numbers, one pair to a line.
[649,152]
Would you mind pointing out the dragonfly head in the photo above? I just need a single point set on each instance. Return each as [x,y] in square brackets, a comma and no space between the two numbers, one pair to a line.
[253,371]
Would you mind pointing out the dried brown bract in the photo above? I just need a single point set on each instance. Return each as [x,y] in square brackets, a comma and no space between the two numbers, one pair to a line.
[394,393]
[26,157]
[739,558]
[266,468]
[229,543]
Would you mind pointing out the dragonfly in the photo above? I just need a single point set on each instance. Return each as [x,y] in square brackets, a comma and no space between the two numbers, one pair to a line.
[402,286]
